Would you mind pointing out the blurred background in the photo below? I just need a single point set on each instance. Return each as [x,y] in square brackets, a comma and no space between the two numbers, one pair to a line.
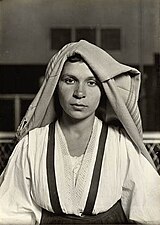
[31,31]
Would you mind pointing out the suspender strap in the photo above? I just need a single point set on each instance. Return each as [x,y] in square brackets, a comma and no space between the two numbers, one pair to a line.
[95,177]
[96,172]
[51,171]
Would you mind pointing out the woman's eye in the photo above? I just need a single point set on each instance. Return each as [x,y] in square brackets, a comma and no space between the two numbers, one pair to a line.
[69,81]
[92,83]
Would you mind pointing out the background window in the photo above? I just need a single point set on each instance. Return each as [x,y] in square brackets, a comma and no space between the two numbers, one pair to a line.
[111,39]
[88,34]
[60,37]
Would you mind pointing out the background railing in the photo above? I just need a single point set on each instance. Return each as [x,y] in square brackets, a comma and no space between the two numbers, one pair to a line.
[13,108]
[7,143]
[14,114]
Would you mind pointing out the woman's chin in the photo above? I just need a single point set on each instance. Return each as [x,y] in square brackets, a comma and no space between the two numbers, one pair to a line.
[78,116]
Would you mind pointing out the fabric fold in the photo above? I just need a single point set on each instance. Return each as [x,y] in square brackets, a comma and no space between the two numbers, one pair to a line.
[121,84]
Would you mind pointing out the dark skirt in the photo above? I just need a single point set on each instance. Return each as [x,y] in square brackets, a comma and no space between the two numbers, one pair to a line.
[115,215]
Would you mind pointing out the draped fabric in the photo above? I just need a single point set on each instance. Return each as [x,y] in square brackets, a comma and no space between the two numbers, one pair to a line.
[37,178]
[120,82]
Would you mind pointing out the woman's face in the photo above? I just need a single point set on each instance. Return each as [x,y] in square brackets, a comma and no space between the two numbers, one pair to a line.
[78,91]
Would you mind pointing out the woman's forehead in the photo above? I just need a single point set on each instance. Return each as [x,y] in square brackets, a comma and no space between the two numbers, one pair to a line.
[77,69]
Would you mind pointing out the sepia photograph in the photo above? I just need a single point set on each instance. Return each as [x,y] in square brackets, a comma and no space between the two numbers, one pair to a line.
[79,112]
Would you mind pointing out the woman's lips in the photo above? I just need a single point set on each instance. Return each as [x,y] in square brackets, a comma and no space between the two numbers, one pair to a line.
[78,106]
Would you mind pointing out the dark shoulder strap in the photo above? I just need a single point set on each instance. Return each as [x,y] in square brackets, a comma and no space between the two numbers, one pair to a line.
[51,171]
[95,177]
[96,172]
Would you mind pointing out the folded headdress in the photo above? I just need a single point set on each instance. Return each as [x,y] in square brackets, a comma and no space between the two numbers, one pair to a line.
[121,84]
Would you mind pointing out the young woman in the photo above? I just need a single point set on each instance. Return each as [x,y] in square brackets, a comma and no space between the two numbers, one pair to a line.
[80,156]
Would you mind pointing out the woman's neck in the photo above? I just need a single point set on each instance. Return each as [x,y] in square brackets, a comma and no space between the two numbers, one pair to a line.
[75,126]
[77,133]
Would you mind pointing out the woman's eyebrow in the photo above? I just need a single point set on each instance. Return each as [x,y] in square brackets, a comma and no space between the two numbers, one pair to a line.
[68,75]
[75,77]
[92,77]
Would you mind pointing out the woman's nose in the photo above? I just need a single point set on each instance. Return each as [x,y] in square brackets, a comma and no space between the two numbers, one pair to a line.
[79,91]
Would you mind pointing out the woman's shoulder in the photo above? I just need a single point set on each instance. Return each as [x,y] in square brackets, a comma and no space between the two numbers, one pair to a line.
[39,130]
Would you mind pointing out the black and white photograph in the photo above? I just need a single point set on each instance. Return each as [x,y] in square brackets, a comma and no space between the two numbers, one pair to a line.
[79,112]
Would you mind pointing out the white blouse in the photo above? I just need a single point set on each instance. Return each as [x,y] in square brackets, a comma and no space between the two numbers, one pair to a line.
[125,175]
[76,162]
